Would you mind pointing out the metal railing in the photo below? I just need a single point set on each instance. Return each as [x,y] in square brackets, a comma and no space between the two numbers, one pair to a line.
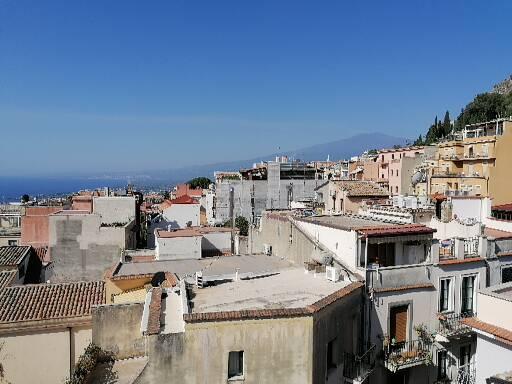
[466,375]
[451,324]
[407,353]
[471,246]
[359,366]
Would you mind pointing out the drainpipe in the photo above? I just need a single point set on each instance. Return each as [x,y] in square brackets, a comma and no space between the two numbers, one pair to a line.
[71,362]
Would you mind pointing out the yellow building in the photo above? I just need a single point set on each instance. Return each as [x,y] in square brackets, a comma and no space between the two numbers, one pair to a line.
[477,164]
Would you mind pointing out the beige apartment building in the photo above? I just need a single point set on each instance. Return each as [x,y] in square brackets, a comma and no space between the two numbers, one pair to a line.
[478,164]
[44,328]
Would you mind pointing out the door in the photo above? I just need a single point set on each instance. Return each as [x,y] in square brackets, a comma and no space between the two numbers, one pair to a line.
[398,323]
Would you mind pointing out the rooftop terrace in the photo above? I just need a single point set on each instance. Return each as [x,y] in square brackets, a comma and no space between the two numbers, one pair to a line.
[287,288]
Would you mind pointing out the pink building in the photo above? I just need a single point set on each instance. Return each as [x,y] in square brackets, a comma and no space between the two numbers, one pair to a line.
[35,224]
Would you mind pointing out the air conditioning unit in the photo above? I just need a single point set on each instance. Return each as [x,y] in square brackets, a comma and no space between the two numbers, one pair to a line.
[332,274]
[267,249]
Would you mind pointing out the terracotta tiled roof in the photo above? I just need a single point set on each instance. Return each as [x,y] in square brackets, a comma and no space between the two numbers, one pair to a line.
[12,255]
[497,234]
[185,199]
[404,288]
[503,207]
[396,230]
[154,311]
[460,261]
[358,188]
[501,334]
[273,313]
[50,301]
[6,278]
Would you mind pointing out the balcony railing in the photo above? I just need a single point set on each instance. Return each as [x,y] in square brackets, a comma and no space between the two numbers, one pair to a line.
[466,375]
[451,325]
[406,354]
[359,367]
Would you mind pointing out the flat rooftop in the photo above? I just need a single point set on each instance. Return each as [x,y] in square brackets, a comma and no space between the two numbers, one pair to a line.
[191,232]
[367,226]
[287,288]
[211,267]
[348,222]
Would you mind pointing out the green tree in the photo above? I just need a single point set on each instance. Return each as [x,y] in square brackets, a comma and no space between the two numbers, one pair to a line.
[200,182]
[447,124]
[243,225]
[25,198]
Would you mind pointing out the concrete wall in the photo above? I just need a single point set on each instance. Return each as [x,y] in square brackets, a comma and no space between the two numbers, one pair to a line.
[500,182]
[254,196]
[495,310]
[213,241]
[181,215]
[35,226]
[275,351]
[81,249]
[467,208]
[178,248]
[116,328]
[42,356]
[492,357]
[287,240]
[114,209]
[453,229]
[341,243]
[456,273]
[340,321]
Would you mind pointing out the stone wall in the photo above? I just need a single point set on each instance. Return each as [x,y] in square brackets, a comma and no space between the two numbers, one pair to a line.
[116,328]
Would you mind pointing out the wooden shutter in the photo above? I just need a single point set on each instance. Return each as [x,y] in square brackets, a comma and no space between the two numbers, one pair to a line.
[398,323]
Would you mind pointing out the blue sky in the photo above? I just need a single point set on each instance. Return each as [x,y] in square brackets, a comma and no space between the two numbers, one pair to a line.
[100,86]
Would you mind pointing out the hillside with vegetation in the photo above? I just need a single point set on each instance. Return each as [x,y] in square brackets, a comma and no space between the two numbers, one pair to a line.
[484,107]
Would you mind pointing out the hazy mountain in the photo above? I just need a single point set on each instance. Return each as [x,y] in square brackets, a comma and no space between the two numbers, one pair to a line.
[336,150]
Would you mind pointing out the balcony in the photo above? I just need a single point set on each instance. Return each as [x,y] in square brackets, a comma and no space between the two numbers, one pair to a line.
[407,354]
[451,326]
[466,375]
[459,249]
[358,367]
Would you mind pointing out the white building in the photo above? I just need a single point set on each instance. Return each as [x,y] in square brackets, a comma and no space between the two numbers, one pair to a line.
[192,243]
[493,327]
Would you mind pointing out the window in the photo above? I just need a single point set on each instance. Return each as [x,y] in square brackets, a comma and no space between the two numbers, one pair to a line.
[332,354]
[465,356]
[468,288]
[441,365]
[444,295]
[396,189]
[506,275]
[12,242]
[236,364]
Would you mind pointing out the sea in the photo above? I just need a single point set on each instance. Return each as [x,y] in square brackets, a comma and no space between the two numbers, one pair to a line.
[12,188]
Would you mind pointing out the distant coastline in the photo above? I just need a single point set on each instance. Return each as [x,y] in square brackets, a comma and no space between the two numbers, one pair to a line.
[12,188]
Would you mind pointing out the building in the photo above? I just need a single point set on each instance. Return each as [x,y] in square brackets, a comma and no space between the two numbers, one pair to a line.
[493,328]
[10,224]
[271,322]
[24,262]
[387,156]
[341,196]
[417,294]
[182,212]
[84,245]
[478,164]
[269,185]
[35,225]
[193,243]
[44,328]
[186,190]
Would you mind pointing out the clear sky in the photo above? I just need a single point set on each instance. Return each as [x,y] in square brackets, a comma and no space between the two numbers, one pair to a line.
[124,85]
